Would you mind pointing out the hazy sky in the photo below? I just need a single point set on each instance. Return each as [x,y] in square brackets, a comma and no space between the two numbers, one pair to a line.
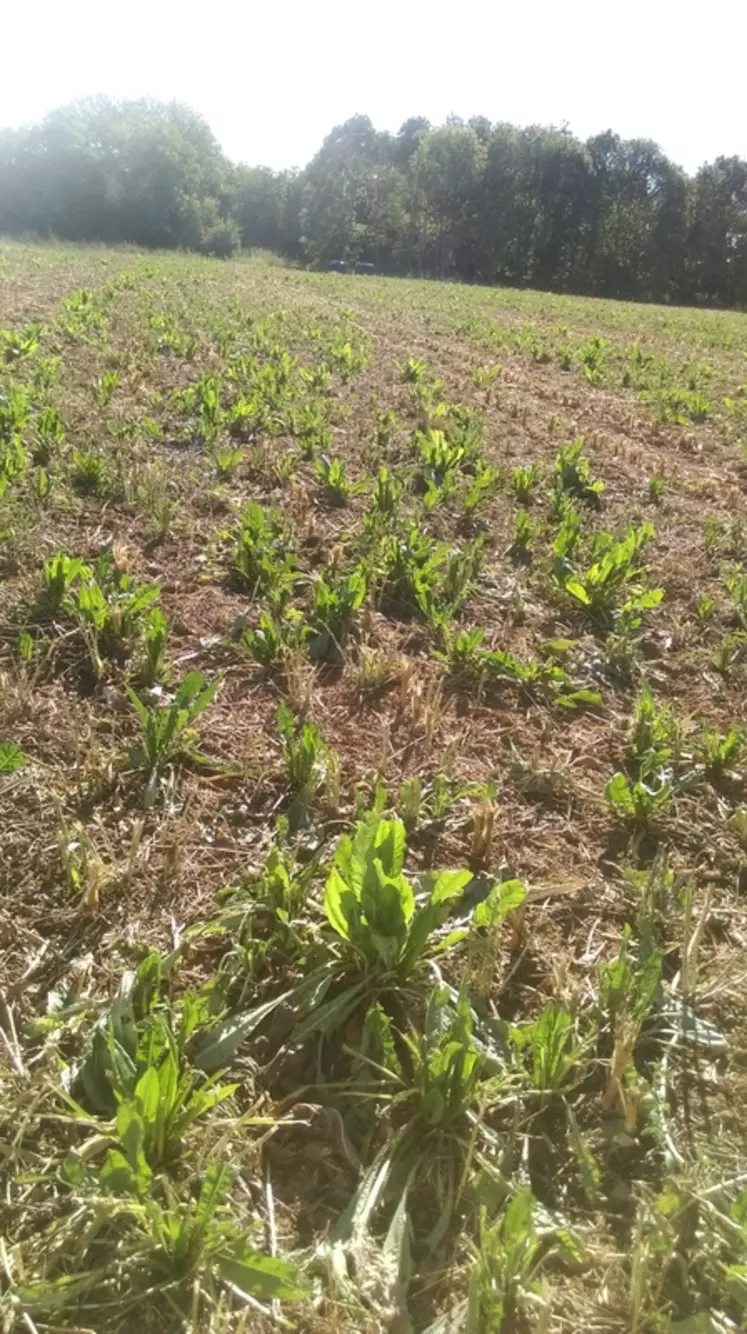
[273,79]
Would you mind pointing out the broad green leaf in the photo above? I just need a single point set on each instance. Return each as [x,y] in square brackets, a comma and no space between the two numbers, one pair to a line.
[577,698]
[222,1042]
[387,905]
[130,1128]
[353,1222]
[396,1247]
[119,1177]
[502,899]
[335,906]
[12,758]
[140,708]
[263,1276]
[206,697]
[332,1015]
[53,1294]
[577,590]
[649,600]
[518,1222]
[450,885]
[189,689]
[377,1039]
[619,795]
[433,1106]
[390,845]
[148,1095]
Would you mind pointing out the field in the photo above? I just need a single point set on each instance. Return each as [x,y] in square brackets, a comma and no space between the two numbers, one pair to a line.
[373,819]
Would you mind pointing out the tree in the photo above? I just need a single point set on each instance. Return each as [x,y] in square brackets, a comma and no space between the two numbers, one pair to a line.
[534,206]
[146,172]
[350,187]
[260,197]
[447,168]
[718,232]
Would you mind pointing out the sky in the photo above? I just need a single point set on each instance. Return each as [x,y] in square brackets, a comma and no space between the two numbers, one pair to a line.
[273,79]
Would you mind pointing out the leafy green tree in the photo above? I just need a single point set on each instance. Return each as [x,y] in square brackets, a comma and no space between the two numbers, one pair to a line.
[260,197]
[147,172]
[352,194]
[447,169]
[718,234]
[637,221]
[476,201]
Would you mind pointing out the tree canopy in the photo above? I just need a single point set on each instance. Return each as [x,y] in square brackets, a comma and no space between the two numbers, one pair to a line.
[472,200]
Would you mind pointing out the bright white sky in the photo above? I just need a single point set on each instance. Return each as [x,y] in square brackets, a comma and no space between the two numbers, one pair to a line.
[272,80]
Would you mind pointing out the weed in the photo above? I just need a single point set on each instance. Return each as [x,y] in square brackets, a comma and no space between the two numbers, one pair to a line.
[166,729]
[334,476]
[681,406]
[505,1276]
[484,377]
[276,639]
[89,473]
[103,388]
[336,599]
[721,753]
[307,761]
[155,635]
[14,418]
[18,344]
[425,1043]
[110,607]
[642,799]
[386,495]
[524,482]
[611,587]
[261,555]
[653,730]
[227,461]
[573,477]
[525,531]
[413,371]
[12,758]
[481,488]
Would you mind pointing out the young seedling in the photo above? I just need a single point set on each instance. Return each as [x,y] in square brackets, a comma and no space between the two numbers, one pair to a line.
[310,764]
[573,478]
[413,370]
[333,474]
[385,926]
[721,753]
[276,639]
[156,632]
[336,600]
[639,801]
[262,557]
[525,531]
[167,733]
[103,387]
[524,483]
[611,588]
[481,489]
[227,461]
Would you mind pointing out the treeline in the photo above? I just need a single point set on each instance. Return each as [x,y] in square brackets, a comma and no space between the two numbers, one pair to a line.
[471,200]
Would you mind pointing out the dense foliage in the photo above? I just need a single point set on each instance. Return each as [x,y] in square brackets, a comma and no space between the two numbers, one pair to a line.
[475,201]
